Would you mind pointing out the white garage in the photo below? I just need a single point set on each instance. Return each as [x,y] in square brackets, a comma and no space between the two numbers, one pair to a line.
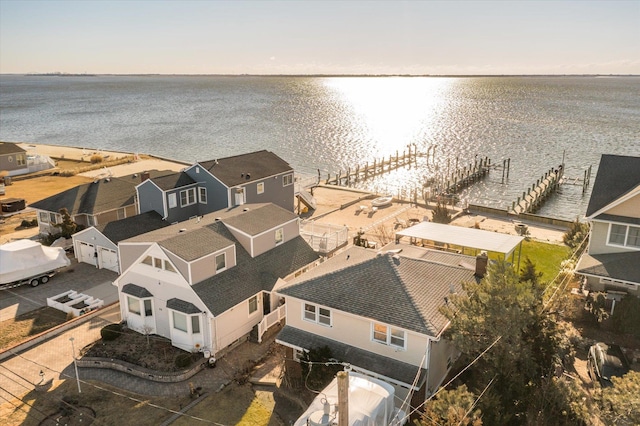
[86,253]
[108,259]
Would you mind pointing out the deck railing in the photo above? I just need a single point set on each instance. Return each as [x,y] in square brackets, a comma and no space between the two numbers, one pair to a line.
[269,320]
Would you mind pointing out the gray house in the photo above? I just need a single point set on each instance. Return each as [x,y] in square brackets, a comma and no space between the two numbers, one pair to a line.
[612,260]
[206,283]
[205,187]
[13,159]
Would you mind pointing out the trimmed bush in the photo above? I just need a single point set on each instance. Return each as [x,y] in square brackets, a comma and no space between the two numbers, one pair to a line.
[95,159]
[111,332]
[183,360]
[29,223]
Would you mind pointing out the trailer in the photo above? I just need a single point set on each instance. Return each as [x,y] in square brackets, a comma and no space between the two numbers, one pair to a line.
[29,262]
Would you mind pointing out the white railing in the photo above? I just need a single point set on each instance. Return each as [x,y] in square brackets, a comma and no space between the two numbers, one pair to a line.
[322,237]
[269,320]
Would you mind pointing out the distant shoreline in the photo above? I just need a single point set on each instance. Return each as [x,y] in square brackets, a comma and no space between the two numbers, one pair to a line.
[60,74]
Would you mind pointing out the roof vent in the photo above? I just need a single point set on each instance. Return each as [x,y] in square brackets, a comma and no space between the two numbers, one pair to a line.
[241,174]
[248,176]
[218,219]
[183,230]
[246,209]
[107,180]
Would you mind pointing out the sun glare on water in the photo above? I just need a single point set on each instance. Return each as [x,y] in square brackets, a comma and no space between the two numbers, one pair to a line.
[392,112]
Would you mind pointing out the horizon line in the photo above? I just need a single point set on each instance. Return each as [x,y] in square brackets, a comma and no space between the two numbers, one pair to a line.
[66,74]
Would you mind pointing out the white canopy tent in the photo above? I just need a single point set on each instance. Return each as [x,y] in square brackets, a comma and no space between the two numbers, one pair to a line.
[476,239]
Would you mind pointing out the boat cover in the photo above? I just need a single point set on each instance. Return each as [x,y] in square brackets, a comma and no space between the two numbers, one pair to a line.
[23,259]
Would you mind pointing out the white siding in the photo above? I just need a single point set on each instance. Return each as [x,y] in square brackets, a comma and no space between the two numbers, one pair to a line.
[234,323]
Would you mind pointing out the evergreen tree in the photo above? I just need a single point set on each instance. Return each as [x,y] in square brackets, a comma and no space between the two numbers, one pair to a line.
[67,227]
[451,408]
[441,214]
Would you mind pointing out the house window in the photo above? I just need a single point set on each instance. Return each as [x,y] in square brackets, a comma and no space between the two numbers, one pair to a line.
[44,217]
[253,304]
[53,218]
[221,262]
[389,335]
[173,201]
[279,236]
[180,321]
[202,192]
[317,314]
[91,220]
[133,305]
[21,160]
[158,263]
[623,235]
[260,187]
[121,213]
[187,197]
[168,266]
[195,324]
[148,309]
[287,179]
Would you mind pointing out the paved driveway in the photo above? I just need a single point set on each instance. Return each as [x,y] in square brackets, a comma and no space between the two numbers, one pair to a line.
[80,277]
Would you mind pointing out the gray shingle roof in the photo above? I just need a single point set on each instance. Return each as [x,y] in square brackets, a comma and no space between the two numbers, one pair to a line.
[357,357]
[252,275]
[122,229]
[196,243]
[617,175]
[618,266]
[257,220]
[136,290]
[95,197]
[7,148]
[182,306]
[244,168]
[393,289]
[173,180]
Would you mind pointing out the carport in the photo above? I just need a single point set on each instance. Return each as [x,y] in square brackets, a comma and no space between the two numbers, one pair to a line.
[442,237]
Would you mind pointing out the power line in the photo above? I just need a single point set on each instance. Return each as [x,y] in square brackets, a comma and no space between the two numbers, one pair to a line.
[120,394]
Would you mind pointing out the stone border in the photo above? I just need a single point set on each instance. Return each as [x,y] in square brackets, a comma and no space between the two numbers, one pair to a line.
[142,372]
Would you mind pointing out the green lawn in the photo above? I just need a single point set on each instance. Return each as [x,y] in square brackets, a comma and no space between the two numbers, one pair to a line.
[546,257]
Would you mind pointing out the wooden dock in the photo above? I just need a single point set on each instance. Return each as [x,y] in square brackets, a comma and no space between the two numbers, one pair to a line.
[531,200]
[378,167]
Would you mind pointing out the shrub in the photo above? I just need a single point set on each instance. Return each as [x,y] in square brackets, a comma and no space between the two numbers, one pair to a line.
[575,235]
[111,332]
[626,316]
[96,159]
[183,360]
[29,223]
[441,213]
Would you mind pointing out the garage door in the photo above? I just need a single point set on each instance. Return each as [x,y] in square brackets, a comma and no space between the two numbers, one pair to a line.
[109,259]
[87,254]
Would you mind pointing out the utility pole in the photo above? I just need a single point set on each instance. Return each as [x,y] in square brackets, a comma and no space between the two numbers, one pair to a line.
[343,398]
[75,364]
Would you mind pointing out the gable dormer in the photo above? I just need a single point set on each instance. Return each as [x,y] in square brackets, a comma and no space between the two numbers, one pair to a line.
[261,228]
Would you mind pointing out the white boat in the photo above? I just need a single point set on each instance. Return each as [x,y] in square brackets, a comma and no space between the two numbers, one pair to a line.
[382,201]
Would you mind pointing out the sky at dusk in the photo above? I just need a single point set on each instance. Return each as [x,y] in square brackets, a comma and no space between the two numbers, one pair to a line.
[320,37]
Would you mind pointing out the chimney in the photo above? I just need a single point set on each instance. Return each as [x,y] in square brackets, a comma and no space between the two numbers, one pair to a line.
[144,176]
[481,264]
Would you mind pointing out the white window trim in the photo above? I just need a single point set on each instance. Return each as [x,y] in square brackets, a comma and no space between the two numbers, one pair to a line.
[260,188]
[163,264]
[389,333]
[187,192]
[172,200]
[215,259]
[43,216]
[287,179]
[202,191]
[141,301]
[317,315]
[281,231]
[626,236]
[249,303]
[189,321]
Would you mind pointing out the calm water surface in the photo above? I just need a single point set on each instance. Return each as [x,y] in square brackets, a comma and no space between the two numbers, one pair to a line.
[337,122]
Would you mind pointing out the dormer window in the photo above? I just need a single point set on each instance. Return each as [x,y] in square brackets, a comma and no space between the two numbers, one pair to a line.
[158,263]
[221,262]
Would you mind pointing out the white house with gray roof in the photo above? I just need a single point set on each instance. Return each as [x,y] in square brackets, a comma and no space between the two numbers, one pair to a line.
[379,312]
[205,283]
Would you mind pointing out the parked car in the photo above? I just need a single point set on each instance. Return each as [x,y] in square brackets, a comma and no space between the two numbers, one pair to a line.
[605,361]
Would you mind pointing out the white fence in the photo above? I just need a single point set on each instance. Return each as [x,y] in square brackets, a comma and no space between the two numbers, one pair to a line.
[269,320]
[322,237]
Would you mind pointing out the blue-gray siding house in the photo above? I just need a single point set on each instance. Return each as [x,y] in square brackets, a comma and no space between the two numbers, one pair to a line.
[205,187]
